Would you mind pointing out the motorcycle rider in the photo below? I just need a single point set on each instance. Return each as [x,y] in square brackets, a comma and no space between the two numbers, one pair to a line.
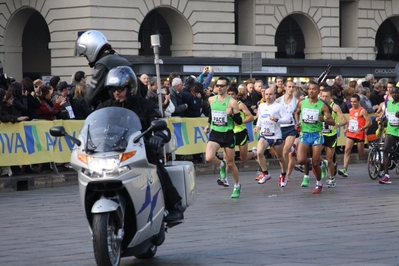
[121,83]
[95,47]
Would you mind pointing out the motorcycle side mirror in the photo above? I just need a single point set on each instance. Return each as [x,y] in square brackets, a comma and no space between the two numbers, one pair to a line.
[159,125]
[59,131]
[156,125]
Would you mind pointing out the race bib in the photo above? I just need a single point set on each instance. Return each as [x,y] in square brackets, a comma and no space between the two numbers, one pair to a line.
[392,119]
[219,118]
[310,116]
[353,125]
[70,112]
[268,129]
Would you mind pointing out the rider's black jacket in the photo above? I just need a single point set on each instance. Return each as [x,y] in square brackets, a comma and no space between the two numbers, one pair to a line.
[147,111]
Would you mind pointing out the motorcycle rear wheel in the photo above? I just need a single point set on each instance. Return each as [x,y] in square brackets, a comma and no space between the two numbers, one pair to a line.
[106,245]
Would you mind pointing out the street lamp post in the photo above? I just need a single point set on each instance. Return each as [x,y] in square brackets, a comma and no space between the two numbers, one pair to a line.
[156,44]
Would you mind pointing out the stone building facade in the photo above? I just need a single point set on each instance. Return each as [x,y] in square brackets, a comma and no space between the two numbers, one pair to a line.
[37,36]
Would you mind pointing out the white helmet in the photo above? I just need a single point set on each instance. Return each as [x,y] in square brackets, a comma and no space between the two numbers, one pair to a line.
[89,44]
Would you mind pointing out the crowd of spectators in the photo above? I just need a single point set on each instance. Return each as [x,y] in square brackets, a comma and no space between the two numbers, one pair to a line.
[181,97]
[30,100]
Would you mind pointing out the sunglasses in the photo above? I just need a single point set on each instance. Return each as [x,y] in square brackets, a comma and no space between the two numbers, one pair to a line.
[119,89]
[221,85]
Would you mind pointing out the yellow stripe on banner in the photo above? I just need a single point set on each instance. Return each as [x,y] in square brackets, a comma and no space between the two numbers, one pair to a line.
[18,145]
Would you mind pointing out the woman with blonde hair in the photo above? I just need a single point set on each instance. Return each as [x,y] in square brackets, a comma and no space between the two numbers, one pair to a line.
[79,105]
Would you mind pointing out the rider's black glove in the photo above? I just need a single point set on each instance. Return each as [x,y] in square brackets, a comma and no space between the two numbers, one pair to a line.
[155,142]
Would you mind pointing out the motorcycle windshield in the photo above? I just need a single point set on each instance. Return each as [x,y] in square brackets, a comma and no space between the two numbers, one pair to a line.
[108,129]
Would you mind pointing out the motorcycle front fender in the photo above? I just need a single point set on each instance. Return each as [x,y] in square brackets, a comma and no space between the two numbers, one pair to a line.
[104,205]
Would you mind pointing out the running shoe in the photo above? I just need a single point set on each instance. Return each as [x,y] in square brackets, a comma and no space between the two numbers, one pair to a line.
[223,182]
[259,177]
[300,168]
[317,190]
[265,177]
[236,192]
[331,182]
[305,182]
[279,180]
[343,172]
[284,180]
[222,170]
[385,180]
[324,168]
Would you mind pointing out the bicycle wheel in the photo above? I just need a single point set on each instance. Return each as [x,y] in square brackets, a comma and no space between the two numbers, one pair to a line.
[374,163]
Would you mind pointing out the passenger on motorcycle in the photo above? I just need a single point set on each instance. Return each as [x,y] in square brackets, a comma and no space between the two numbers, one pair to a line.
[93,45]
[121,83]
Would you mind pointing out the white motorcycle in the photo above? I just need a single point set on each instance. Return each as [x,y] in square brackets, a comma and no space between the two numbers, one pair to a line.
[120,190]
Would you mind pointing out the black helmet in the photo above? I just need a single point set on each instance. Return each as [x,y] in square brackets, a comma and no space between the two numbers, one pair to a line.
[122,76]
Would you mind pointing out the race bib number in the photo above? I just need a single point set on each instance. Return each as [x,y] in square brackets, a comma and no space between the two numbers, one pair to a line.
[219,118]
[392,119]
[326,128]
[353,125]
[268,129]
[70,111]
[310,116]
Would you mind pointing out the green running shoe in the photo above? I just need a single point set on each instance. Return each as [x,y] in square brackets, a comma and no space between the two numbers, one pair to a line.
[343,172]
[324,165]
[305,182]
[236,192]
[222,170]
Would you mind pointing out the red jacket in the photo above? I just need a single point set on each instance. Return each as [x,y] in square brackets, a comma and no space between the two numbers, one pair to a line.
[47,112]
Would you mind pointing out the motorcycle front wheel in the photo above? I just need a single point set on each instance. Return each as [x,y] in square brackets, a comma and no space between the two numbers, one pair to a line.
[149,254]
[106,244]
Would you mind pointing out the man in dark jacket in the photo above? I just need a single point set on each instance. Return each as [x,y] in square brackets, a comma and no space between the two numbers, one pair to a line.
[192,98]
[124,94]
[95,47]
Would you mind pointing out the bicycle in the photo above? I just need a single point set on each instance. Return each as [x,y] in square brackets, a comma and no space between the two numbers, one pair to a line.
[375,164]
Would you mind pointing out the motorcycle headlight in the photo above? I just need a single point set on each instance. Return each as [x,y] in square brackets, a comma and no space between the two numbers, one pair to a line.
[105,166]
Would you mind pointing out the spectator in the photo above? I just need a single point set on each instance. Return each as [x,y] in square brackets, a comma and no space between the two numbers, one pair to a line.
[66,111]
[152,94]
[339,81]
[47,110]
[365,101]
[176,97]
[32,101]
[20,102]
[54,81]
[79,105]
[171,108]
[208,70]
[8,112]
[78,77]
[280,90]
[256,95]
[166,83]
[346,103]
[337,95]
[369,81]
[173,75]
[144,85]
[377,95]
[192,98]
